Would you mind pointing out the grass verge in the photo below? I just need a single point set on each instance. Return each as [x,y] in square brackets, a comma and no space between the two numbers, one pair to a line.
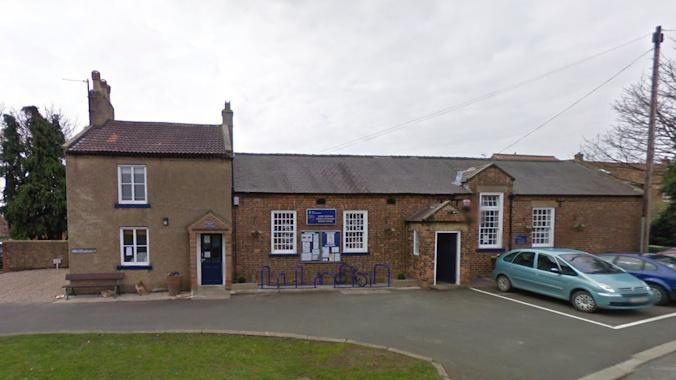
[197,356]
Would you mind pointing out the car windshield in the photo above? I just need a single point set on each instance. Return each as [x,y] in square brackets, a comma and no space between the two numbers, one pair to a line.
[589,264]
[666,260]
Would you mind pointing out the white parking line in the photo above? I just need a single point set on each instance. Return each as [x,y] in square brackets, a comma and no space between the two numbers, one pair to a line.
[647,320]
[616,327]
[544,308]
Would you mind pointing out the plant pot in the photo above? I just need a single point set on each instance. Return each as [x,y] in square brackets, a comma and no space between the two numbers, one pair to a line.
[174,284]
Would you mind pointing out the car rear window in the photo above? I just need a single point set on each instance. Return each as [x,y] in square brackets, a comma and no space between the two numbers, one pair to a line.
[666,260]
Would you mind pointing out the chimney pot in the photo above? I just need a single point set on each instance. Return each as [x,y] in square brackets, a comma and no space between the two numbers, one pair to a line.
[579,156]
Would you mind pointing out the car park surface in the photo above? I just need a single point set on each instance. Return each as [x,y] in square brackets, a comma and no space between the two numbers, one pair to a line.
[474,335]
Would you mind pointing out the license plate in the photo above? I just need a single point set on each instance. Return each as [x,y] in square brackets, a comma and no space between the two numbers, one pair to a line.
[639,300]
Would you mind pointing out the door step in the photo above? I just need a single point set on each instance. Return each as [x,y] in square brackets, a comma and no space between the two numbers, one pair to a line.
[211,293]
[444,286]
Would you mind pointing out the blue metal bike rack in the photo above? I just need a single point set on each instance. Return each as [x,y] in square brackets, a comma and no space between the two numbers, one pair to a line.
[264,269]
[389,275]
[282,275]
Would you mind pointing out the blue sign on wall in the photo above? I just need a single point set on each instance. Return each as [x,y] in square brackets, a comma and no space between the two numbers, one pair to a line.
[521,239]
[321,216]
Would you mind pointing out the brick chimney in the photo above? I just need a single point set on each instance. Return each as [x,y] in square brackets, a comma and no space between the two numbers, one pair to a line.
[227,126]
[100,108]
[579,157]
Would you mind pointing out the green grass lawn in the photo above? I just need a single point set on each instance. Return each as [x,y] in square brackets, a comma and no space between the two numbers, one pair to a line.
[197,356]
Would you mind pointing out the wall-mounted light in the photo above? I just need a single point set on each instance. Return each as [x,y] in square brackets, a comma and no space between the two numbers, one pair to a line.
[165,221]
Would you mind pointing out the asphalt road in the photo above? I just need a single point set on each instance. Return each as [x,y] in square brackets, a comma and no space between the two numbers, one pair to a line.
[475,336]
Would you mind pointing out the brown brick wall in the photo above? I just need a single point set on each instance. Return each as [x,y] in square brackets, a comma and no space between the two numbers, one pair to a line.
[592,224]
[33,254]
[388,240]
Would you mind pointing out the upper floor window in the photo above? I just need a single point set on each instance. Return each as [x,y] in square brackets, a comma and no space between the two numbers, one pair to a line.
[134,246]
[355,231]
[490,220]
[543,227]
[131,184]
[283,234]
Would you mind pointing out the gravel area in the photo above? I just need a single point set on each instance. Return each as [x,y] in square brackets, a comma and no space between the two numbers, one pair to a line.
[32,286]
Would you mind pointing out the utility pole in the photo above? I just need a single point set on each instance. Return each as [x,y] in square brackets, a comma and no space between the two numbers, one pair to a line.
[658,37]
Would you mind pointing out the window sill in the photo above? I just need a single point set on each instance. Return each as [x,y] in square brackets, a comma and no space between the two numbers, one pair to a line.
[132,205]
[283,255]
[134,267]
[355,253]
[491,250]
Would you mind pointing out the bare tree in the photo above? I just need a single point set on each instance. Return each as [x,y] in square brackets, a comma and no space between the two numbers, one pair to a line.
[627,141]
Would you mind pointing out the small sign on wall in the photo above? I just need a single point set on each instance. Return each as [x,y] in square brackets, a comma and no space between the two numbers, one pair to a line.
[521,240]
[82,250]
[321,216]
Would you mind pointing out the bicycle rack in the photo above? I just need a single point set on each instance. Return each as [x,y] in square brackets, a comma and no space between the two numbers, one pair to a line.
[264,269]
[295,274]
[282,275]
[319,277]
[351,272]
[389,275]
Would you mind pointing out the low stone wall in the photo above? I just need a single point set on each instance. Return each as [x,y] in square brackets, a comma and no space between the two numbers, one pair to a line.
[33,254]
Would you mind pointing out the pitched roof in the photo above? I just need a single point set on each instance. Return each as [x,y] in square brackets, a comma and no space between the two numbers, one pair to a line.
[344,174]
[117,137]
[522,157]
[425,212]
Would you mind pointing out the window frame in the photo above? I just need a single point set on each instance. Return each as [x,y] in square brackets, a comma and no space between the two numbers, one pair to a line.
[552,229]
[135,245]
[294,250]
[416,243]
[133,201]
[500,209]
[365,232]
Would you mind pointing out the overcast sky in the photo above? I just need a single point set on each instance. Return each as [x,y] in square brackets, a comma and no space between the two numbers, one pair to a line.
[304,76]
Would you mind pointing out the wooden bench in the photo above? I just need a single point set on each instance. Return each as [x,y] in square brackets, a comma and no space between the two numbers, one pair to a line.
[93,280]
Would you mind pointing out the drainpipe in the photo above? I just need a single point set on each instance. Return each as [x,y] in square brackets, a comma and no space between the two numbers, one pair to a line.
[511,204]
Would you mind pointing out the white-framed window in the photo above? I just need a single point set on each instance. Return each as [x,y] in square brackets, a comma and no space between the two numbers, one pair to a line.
[416,243]
[543,227]
[134,246]
[132,184]
[355,231]
[283,233]
[490,220]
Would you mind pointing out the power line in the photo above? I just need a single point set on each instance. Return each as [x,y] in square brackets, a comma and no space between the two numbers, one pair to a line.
[576,102]
[477,99]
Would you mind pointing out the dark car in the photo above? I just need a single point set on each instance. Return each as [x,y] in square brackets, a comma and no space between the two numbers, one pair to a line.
[656,270]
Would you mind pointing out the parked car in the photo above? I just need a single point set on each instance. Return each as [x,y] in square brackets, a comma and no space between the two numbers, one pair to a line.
[656,270]
[588,282]
[669,252]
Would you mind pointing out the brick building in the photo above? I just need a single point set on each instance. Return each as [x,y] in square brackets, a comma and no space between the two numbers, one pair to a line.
[152,198]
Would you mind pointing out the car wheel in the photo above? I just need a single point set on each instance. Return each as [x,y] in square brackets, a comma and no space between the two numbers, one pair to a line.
[584,302]
[661,295]
[504,285]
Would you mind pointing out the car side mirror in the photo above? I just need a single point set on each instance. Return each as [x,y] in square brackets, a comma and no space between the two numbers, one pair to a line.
[554,270]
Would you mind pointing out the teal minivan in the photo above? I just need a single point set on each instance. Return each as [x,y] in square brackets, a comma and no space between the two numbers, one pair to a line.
[588,282]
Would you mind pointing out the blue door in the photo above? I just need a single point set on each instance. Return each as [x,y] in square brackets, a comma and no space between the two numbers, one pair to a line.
[211,256]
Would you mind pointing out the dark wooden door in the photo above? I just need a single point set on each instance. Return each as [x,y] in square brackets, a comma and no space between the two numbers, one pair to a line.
[447,250]
[211,256]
